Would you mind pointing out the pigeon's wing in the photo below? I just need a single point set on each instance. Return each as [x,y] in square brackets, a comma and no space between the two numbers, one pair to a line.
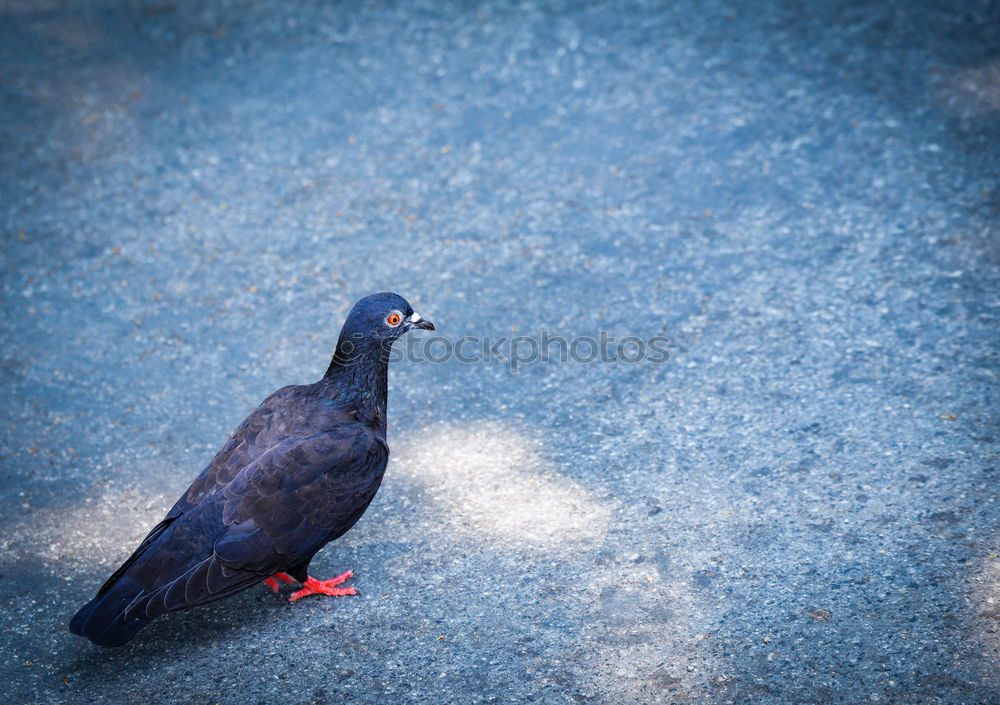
[248,442]
[330,479]
[277,512]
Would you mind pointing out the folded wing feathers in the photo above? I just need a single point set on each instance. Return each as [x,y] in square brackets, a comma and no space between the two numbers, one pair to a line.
[204,582]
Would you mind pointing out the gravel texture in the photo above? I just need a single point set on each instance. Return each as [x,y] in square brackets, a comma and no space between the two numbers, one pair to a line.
[799,506]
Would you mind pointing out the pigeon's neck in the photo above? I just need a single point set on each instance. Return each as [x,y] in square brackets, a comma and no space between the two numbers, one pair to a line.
[359,381]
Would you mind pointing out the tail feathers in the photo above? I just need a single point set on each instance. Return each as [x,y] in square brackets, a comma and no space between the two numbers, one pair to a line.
[114,616]
[80,619]
[103,619]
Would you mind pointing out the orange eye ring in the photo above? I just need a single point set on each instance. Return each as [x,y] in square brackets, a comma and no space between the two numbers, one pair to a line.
[393,319]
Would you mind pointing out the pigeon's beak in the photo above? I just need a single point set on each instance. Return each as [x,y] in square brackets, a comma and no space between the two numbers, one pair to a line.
[416,321]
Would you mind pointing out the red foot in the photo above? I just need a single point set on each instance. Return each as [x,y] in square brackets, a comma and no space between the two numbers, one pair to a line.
[324,587]
[283,577]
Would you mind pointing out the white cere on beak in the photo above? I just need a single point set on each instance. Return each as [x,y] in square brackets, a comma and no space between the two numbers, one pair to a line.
[415,317]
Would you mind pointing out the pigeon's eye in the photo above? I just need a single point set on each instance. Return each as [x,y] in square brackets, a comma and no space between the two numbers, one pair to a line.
[392,319]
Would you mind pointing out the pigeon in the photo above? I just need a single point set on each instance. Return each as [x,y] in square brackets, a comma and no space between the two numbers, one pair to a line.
[295,475]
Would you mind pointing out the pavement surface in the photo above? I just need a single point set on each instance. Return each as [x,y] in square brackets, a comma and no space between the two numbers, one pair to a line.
[798,506]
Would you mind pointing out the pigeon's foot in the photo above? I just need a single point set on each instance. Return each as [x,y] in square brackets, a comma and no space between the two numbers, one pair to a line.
[324,587]
[283,577]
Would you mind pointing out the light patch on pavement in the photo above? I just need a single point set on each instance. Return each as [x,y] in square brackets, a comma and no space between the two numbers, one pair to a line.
[494,482]
[96,535]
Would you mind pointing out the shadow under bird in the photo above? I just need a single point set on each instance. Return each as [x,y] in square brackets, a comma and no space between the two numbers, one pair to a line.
[295,475]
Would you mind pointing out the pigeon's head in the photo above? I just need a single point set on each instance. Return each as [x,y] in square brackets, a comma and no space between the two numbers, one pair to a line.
[379,319]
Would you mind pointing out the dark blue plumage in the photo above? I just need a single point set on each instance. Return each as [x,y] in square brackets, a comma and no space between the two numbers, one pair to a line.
[296,474]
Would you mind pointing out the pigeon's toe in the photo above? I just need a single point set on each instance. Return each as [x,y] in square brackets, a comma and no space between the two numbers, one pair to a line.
[312,586]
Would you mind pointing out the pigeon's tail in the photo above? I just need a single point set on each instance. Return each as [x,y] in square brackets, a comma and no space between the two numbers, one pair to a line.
[175,567]
[103,620]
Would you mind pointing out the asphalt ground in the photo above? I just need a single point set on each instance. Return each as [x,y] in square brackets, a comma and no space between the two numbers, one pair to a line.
[797,506]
